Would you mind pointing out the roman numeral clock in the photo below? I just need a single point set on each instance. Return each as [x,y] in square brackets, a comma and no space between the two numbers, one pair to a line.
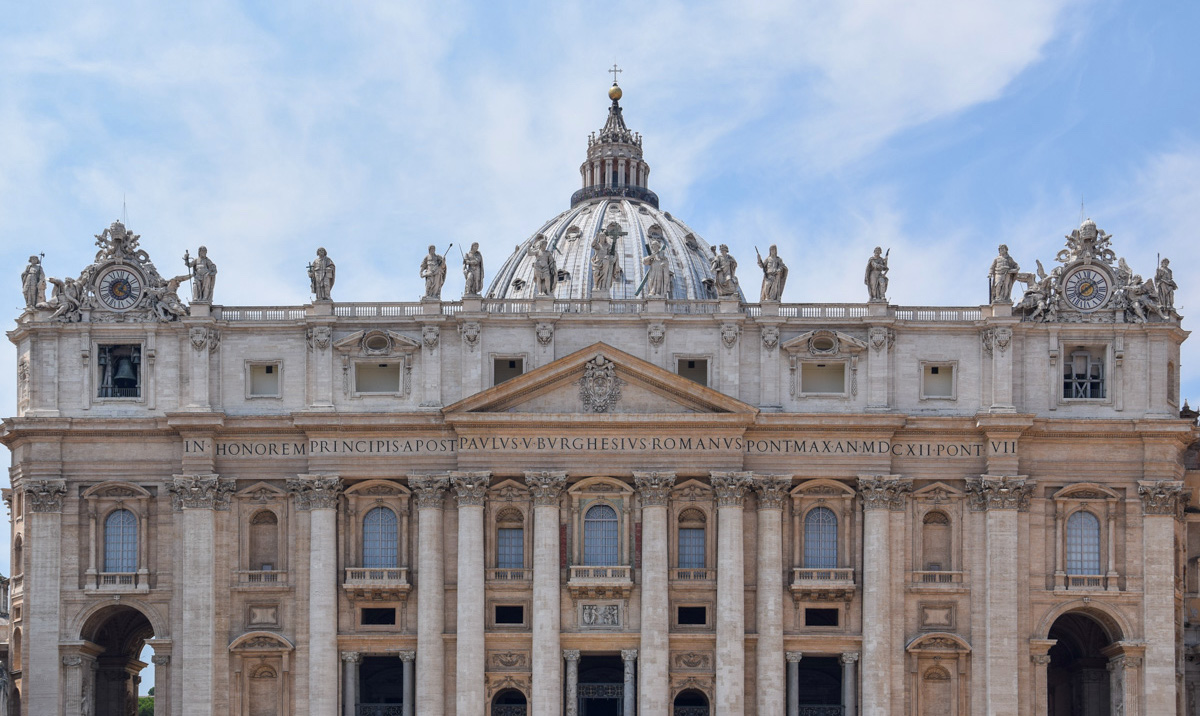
[119,288]
[1087,288]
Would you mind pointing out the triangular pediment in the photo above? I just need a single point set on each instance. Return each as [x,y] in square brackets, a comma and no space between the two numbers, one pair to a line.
[601,381]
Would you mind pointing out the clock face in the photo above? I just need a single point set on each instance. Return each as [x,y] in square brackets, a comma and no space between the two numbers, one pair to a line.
[1086,289]
[119,289]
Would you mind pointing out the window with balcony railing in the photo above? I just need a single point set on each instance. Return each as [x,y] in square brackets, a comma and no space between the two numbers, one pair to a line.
[820,539]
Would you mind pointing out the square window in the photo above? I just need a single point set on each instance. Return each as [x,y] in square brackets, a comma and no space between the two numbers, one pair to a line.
[821,617]
[1084,375]
[694,369]
[828,378]
[510,614]
[937,381]
[506,369]
[692,616]
[377,377]
[377,616]
[263,379]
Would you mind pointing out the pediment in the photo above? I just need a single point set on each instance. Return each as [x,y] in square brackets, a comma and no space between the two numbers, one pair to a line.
[376,342]
[824,343]
[603,382]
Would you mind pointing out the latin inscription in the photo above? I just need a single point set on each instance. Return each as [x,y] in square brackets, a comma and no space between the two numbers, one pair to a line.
[572,444]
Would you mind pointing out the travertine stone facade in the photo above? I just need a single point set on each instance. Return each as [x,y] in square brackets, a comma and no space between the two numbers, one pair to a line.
[603,500]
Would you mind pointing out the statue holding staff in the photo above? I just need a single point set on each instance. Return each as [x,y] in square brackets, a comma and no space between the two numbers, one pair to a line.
[876,275]
[775,273]
[433,270]
[321,274]
[204,274]
[33,283]
[473,271]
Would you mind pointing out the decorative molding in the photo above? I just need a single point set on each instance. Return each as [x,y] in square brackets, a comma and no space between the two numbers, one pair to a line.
[203,492]
[770,337]
[884,492]
[470,334]
[996,338]
[45,495]
[654,487]
[731,487]
[1163,497]
[316,492]
[880,336]
[656,332]
[430,335]
[351,657]
[999,493]
[600,388]
[430,490]
[161,659]
[793,657]
[319,337]
[407,655]
[471,487]
[72,660]
[545,486]
[729,334]
[849,657]
[692,661]
[772,490]
[629,654]
[545,333]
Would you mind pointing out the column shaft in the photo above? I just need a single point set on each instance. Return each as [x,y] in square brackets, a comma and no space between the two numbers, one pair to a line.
[42,664]
[547,652]
[349,683]
[877,614]
[1001,642]
[431,657]
[653,692]
[322,610]
[1158,553]
[471,699]
[629,659]
[849,684]
[572,657]
[162,684]
[731,595]
[793,683]
[196,657]
[408,657]
[769,667]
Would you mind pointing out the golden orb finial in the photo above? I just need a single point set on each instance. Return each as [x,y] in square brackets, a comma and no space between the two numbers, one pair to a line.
[614,92]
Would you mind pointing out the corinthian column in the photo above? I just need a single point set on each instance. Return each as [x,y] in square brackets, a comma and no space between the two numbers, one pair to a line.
[653,691]
[469,684]
[319,496]
[197,497]
[43,550]
[546,689]
[731,593]
[768,608]
[880,495]
[1163,502]
[629,660]
[431,592]
[1003,498]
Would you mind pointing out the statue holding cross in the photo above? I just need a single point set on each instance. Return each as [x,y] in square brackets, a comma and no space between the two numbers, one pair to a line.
[605,268]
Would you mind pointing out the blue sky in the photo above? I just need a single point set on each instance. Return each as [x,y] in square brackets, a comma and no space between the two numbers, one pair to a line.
[937,129]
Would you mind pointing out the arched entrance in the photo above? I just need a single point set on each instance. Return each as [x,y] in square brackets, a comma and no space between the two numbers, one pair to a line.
[1077,678]
[691,702]
[110,682]
[508,702]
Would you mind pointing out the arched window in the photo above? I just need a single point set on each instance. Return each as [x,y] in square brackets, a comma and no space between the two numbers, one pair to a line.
[1083,543]
[820,539]
[510,540]
[120,542]
[691,540]
[379,539]
[935,541]
[264,540]
[600,546]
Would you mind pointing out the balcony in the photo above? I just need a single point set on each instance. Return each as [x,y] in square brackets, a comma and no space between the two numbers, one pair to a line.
[370,583]
[936,580]
[1092,582]
[118,582]
[818,585]
[261,578]
[699,577]
[601,582]
[502,577]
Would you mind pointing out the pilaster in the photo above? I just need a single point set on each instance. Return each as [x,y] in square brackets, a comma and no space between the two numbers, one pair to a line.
[41,670]
[1163,503]
[879,340]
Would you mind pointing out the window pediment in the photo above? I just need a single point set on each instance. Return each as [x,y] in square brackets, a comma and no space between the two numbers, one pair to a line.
[824,343]
[261,641]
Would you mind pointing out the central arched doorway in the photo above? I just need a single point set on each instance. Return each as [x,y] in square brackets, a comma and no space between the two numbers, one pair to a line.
[690,702]
[509,702]
[1077,678]
[112,688]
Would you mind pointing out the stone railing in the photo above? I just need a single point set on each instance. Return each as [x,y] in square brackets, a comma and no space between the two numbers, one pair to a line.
[258,313]
[592,581]
[937,577]
[808,710]
[693,575]
[818,584]
[261,576]
[118,582]
[808,575]
[1087,581]
[618,191]
[935,313]
[823,310]
[510,575]
[376,583]
[381,710]
[619,573]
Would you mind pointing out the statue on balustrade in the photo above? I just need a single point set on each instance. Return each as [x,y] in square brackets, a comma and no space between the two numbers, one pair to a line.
[473,271]
[876,275]
[1002,276]
[606,270]
[775,273]
[657,283]
[203,274]
[545,268]
[724,268]
[1164,284]
[433,270]
[33,283]
[321,273]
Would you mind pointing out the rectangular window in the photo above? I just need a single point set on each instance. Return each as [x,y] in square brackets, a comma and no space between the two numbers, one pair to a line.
[506,369]
[691,548]
[821,617]
[692,616]
[694,369]
[264,380]
[377,378]
[376,616]
[510,614]
[510,548]
[937,380]
[1083,374]
[823,378]
[120,371]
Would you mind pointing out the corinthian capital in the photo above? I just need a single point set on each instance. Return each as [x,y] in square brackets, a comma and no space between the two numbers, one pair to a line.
[545,486]
[654,487]
[883,492]
[1162,497]
[731,487]
[429,489]
[200,492]
[471,487]
[45,495]
[772,489]
[316,492]
[999,493]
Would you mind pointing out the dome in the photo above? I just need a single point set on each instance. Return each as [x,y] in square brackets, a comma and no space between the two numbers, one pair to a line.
[614,202]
